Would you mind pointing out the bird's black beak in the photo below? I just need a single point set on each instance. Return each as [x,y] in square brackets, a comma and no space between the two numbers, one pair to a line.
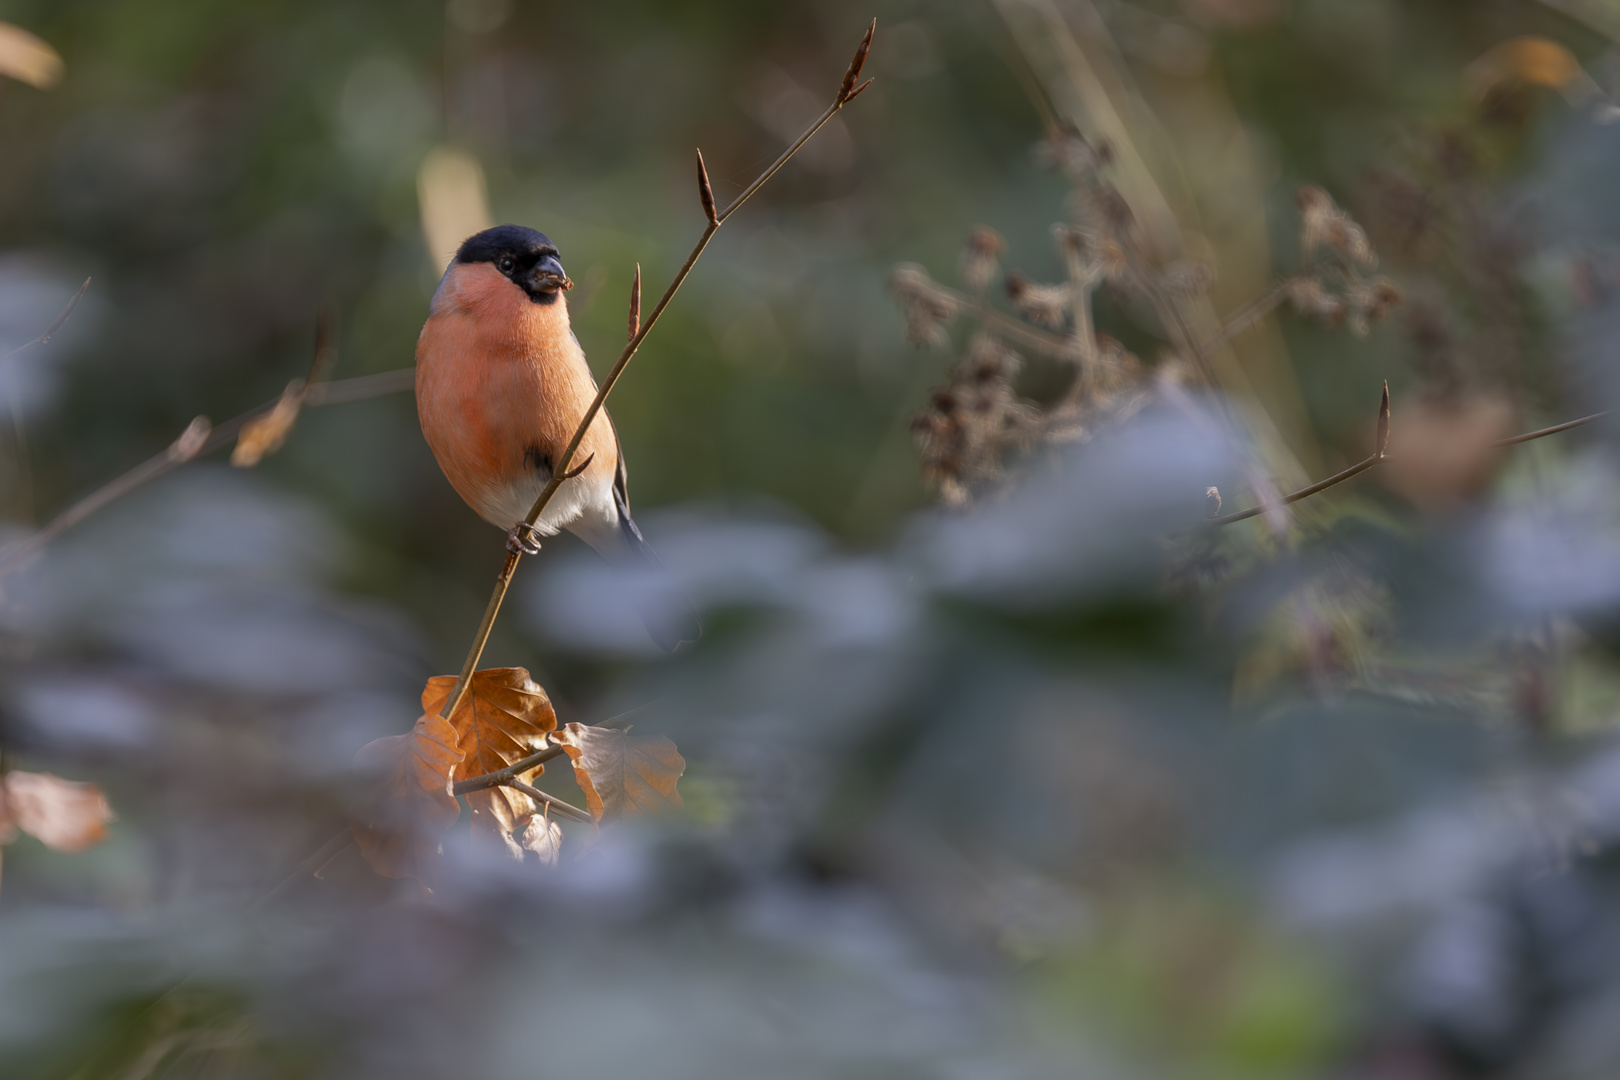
[548,275]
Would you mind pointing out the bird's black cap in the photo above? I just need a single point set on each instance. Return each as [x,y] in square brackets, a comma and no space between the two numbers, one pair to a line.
[520,241]
[526,256]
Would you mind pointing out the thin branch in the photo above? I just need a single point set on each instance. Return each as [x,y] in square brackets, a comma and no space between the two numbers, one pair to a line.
[565,460]
[1382,458]
[198,440]
[500,776]
[61,321]
[309,867]
[1303,493]
[567,810]
[1554,430]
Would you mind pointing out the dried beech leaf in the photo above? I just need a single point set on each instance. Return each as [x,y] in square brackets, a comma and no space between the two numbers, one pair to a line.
[503,719]
[1444,453]
[264,436]
[543,837]
[64,815]
[26,58]
[622,773]
[410,804]
[1531,61]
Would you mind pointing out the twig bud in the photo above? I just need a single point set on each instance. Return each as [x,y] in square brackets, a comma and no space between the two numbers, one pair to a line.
[705,192]
[855,93]
[1383,423]
[633,325]
[579,469]
[855,65]
[191,440]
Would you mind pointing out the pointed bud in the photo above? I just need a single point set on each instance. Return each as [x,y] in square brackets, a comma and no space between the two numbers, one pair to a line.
[856,64]
[706,192]
[855,93]
[1383,422]
[191,441]
[633,325]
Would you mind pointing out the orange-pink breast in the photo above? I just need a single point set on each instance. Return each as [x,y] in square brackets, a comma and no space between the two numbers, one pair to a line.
[501,385]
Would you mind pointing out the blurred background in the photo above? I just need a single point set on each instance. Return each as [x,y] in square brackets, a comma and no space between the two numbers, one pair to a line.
[1046,786]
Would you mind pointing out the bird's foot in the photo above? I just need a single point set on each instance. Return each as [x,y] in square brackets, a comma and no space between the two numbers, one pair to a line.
[523,539]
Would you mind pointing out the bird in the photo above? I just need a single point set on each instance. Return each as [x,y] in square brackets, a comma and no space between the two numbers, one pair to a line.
[501,386]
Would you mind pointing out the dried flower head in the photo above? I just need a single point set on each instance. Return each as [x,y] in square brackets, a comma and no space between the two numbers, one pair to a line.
[1324,225]
[1044,304]
[928,308]
[979,259]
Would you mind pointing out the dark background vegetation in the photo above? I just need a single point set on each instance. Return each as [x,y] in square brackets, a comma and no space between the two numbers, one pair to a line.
[967,796]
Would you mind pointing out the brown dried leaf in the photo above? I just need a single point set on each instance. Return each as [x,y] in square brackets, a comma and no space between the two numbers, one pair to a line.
[1444,453]
[622,773]
[503,719]
[265,435]
[542,836]
[1532,61]
[64,815]
[410,804]
[26,58]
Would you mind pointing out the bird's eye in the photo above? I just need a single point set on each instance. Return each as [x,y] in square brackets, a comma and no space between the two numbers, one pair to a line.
[507,264]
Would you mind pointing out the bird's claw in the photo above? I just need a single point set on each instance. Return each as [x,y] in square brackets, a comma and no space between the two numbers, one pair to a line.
[523,539]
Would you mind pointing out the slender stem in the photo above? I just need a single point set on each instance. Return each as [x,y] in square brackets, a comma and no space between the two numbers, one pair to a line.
[1362,466]
[1303,493]
[561,466]
[57,324]
[1246,316]
[1554,430]
[325,393]
[511,772]
[567,810]
[310,866]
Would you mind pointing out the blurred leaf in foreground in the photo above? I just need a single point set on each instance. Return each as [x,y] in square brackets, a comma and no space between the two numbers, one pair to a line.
[264,435]
[26,58]
[503,719]
[621,773]
[410,804]
[64,815]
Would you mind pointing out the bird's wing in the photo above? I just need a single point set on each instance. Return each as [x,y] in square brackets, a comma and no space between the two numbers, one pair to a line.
[621,478]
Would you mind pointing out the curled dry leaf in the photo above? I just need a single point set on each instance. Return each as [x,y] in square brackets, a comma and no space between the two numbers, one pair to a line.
[504,718]
[1443,453]
[27,59]
[622,773]
[543,837]
[64,815]
[1529,61]
[409,804]
[263,436]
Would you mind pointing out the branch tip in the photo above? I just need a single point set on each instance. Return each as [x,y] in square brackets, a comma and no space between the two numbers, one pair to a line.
[633,324]
[706,193]
[1383,424]
[855,93]
[855,65]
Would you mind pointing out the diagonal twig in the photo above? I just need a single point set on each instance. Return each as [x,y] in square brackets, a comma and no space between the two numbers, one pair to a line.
[846,92]
[198,440]
[60,321]
[1380,457]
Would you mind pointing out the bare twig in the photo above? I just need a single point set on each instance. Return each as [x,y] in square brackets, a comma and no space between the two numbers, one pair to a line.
[60,321]
[567,810]
[1554,430]
[309,867]
[19,435]
[560,469]
[1381,457]
[206,441]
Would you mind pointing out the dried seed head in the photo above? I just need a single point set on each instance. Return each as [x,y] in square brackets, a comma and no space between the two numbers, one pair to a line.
[979,259]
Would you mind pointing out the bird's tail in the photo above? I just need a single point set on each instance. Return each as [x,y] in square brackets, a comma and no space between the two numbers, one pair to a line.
[669,624]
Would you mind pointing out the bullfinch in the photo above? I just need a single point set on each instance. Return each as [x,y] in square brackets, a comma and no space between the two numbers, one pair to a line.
[501,385]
